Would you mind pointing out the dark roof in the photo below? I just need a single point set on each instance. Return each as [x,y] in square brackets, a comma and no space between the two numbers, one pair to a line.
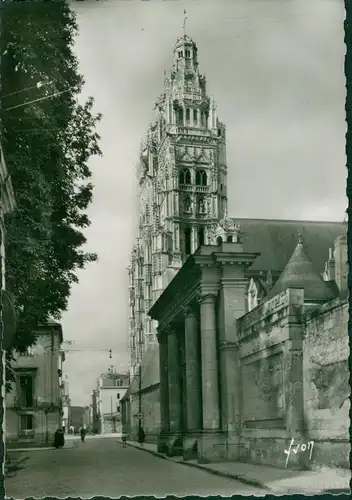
[276,240]
[301,273]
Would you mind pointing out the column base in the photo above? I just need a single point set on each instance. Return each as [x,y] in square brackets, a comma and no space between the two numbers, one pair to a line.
[174,445]
[190,447]
[162,442]
[212,447]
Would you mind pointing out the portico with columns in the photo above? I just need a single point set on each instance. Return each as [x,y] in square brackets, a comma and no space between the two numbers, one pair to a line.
[197,336]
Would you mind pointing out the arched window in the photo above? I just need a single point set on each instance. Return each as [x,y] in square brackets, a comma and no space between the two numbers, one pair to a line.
[180,117]
[218,240]
[188,115]
[201,178]
[229,239]
[195,117]
[185,176]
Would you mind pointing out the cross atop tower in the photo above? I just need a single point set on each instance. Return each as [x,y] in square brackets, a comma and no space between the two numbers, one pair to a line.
[184,22]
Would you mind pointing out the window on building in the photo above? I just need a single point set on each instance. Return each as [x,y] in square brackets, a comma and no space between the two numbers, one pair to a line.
[218,240]
[118,409]
[26,392]
[118,396]
[185,176]
[188,115]
[229,239]
[188,53]
[201,236]
[180,117]
[26,424]
[219,132]
[180,53]
[187,241]
[201,178]
[195,117]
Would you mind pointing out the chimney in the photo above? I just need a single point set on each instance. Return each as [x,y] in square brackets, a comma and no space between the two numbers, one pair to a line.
[341,264]
[329,274]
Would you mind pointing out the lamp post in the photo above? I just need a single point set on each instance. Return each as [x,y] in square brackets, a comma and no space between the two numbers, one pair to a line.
[140,397]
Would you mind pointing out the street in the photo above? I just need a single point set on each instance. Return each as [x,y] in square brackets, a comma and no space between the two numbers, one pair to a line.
[102,467]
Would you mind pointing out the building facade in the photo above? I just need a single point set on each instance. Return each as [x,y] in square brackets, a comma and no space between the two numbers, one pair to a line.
[182,189]
[235,376]
[111,388]
[7,205]
[182,178]
[34,406]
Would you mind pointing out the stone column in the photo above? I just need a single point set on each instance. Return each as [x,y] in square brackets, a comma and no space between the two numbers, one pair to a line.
[163,391]
[175,410]
[164,384]
[193,382]
[210,373]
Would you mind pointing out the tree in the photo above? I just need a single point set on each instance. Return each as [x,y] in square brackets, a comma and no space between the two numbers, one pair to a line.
[47,144]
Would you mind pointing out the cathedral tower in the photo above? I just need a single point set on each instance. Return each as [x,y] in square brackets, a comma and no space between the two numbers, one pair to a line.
[182,177]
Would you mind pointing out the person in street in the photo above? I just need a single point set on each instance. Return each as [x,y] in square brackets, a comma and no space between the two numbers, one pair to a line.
[83,434]
[59,439]
[141,436]
[124,439]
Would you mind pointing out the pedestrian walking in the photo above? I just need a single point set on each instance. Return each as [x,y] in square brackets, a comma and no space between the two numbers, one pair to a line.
[83,434]
[141,436]
[59,439]
[124,440]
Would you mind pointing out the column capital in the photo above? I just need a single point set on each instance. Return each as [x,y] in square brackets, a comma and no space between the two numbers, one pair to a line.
[188,311]
[162,333]
[206,296]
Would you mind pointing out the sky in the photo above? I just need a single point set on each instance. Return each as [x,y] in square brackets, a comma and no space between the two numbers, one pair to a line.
[276,71]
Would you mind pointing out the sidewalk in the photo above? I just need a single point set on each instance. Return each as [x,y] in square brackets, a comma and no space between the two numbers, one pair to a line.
[275,480]
[70,443]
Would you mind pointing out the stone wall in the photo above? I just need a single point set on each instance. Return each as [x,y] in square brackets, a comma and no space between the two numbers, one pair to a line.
[45,426]
[263,338]
[270,336]
[326,384]
[148,397]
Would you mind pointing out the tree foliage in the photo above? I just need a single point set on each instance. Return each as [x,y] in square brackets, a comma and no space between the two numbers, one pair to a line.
[47,144]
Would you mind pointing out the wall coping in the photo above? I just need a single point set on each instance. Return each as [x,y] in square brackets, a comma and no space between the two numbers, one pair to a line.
[319,310]
[265,310]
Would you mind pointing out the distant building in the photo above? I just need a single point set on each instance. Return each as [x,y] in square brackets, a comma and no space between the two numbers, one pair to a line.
[66,403]
[34,406]
[87,418]
[76,417]
[111,387]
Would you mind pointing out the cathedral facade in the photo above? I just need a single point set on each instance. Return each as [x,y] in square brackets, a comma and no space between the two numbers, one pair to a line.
[237,326]
[182,178]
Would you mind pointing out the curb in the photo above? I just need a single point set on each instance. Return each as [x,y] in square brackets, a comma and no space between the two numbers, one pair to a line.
[44,448]
[239,477]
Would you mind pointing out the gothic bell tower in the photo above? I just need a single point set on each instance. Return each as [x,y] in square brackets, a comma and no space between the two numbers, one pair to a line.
[193,156]
[182,178]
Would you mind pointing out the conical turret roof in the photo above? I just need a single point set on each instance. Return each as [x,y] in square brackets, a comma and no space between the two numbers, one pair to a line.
[300,273]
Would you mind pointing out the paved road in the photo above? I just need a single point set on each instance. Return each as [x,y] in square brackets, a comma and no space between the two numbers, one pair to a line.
[102,467]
